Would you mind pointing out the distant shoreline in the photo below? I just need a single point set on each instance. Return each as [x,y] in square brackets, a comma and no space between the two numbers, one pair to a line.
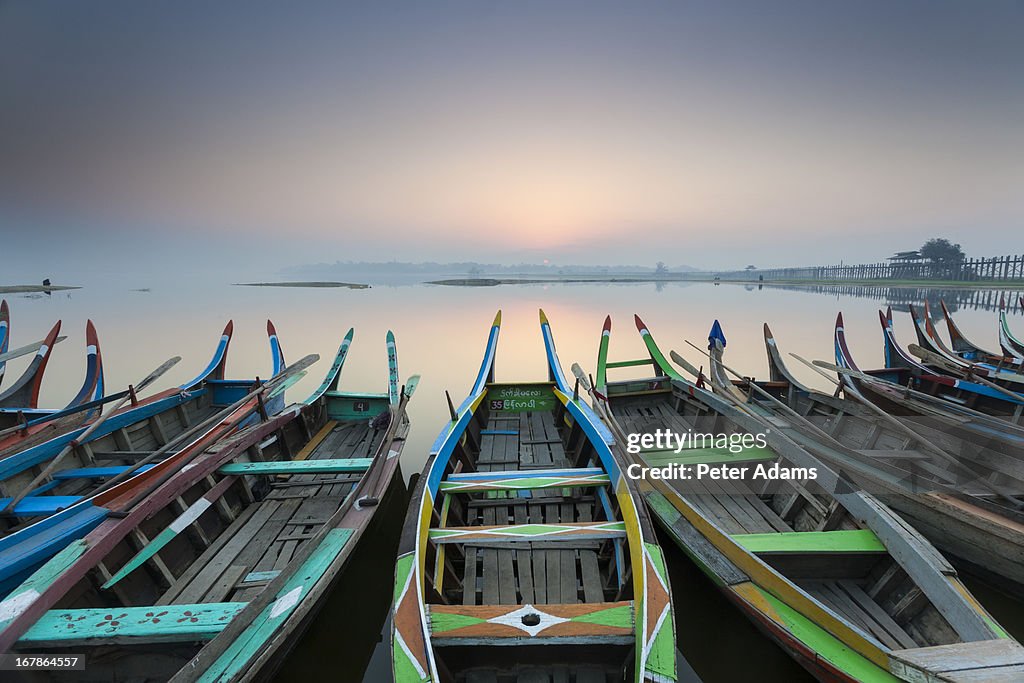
[317,285]
[922,284]
[494,282]
[30,289]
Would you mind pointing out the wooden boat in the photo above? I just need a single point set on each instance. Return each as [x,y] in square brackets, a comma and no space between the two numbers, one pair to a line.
[19,403]
[937,417]
[828,572]
[961,345]
[904,369]
[964,498]
[524,555]
[1006,374]
[215,573]
[5,339]
[86,460]
[1011,346]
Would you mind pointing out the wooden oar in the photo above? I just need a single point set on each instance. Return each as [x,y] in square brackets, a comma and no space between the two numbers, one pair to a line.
[271,387]
[404,396]
[274,384]
[57,417]
[761,392]
[935,410]
[940,362]
[26,350]
[924,441]
[742,406]
[74,443]
[191,514]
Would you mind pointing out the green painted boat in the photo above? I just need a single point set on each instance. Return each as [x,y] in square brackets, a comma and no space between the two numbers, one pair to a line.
[524,556]
[215,573]
[828,572]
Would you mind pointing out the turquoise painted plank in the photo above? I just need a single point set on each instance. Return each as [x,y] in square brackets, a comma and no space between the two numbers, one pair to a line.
[393,396]
[299,467]
[180,523]
[262,576]
[40,506]
[249,643]
[519,474]
[499,432]
[167,623]
[31,588]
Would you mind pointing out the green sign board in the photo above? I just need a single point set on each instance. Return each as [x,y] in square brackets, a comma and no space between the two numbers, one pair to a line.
[520,398]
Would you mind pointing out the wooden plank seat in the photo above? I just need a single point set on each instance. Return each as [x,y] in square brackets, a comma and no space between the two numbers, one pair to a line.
[325,466]
[95,472]
[840,541]
[603,623]
[992,661]
[525,533]
[705,456]
[149,624]
[39,506]
[518,480]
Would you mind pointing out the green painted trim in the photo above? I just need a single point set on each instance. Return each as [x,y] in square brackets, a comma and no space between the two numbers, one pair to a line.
[629,363]
[345,407]
[393,387]
[842,541]
[357,394]
[525,483]
[659,358]
[251,641]
[169,623]
[331,378]
[151,549]
[529,532]
[706,456]
[27,593]
[661,656]
[1006,329]
[326,466]
[402,666]
[403,568]
[826,646]
[602,363]
[441,622]
[620,616]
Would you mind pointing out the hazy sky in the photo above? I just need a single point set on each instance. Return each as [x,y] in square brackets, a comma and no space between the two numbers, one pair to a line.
[714,134]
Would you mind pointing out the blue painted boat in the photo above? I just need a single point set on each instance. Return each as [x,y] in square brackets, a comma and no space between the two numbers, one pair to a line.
[19,403]
[145,432]
[219,588]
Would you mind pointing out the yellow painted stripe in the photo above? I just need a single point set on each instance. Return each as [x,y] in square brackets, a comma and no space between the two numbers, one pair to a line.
[767,578]
[308,449]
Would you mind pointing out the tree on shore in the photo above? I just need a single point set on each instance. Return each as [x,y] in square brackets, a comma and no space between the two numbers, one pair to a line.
[946,258]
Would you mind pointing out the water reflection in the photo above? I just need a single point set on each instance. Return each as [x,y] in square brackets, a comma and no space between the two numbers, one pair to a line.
[440,333]
[900,298]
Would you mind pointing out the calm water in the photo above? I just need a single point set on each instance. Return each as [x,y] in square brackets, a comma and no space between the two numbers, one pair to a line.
[440,333]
